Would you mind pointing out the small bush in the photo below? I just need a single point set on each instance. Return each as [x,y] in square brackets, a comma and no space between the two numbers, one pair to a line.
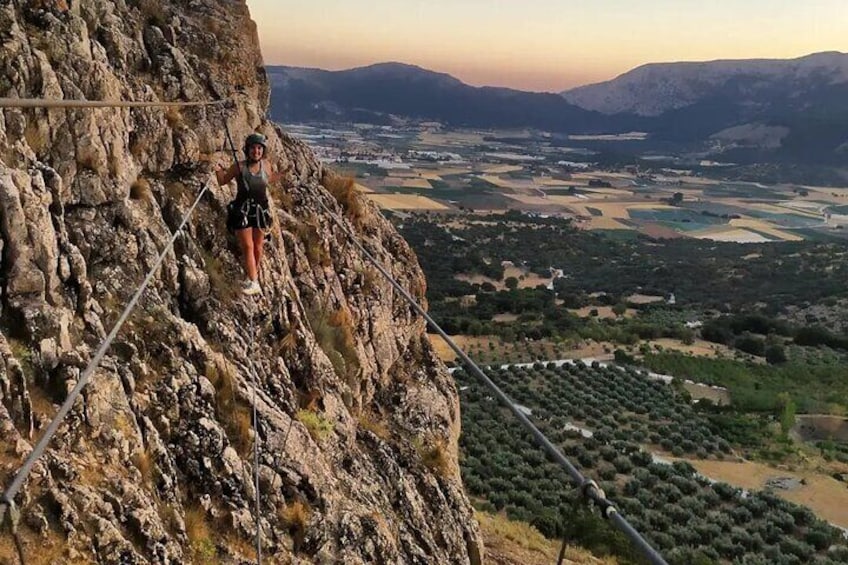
[152,13]
[316,424]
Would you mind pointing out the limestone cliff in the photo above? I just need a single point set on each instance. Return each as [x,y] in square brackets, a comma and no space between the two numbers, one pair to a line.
[358,422]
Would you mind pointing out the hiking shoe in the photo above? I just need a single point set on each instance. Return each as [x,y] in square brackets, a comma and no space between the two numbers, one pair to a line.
[251,288]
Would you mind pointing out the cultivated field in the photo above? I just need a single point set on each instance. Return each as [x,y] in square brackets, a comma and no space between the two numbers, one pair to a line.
[509,169]
[416,183]
[601,312]
[406,202]
[526,279]
[826,496]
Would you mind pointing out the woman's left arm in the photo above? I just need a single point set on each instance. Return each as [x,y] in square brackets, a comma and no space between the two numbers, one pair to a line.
[276,175]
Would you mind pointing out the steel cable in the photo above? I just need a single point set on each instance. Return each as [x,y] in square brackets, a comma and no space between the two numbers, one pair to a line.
[7,500]
[257,508]
[589,489]
[63,103]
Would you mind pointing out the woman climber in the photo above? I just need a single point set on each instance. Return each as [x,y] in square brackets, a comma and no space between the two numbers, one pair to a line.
[248,215]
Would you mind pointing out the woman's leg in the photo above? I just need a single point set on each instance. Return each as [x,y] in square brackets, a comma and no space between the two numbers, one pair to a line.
[258,247]
[245,240]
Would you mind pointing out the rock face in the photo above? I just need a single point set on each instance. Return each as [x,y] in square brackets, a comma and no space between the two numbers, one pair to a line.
[357,420]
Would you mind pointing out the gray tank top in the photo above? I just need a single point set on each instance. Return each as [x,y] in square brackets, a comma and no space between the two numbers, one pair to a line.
[255,185]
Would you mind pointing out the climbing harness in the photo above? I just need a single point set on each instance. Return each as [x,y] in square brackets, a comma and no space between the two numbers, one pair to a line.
[238,209]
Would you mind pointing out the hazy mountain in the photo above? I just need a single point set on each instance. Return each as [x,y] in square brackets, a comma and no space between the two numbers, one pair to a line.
[375,92]
[745,111]
[749,110]
[752,85]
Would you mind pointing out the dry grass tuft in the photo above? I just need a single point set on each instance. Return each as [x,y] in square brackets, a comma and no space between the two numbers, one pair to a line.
[48,547]
[218,279]
[370,277]
[239,427]
[116,164]
[175,190]
[144,463]
[138,145]
[372,424]
[213,26]
[342,318]
[140,189]
[288,344]
[36,137]
[88,162]
[509,541]
[295,517]
[520,533]
[236,418]
[222,379]
[434,455]
[309,400]
[344,190]
[282,197]
[315,251]
[8,553]
[334,334]
[151,11]
[174,117]
[199,535]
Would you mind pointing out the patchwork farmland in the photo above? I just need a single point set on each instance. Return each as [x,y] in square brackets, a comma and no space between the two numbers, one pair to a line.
[430,168]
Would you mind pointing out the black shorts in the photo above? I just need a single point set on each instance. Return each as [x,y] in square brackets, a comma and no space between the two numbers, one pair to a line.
[248,213]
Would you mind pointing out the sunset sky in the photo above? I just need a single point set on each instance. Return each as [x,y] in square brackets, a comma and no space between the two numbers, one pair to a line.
[542,44]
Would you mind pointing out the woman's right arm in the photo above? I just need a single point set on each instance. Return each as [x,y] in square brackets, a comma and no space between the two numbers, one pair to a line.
[225,175]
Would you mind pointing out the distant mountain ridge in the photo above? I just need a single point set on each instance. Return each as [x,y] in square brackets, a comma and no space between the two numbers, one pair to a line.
[378,91]
[790,111]
[656,88]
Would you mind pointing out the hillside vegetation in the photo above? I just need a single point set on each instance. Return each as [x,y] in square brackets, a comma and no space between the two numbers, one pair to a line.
[740,299]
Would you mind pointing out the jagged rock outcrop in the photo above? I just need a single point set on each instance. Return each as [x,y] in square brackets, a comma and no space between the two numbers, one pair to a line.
[358,422]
